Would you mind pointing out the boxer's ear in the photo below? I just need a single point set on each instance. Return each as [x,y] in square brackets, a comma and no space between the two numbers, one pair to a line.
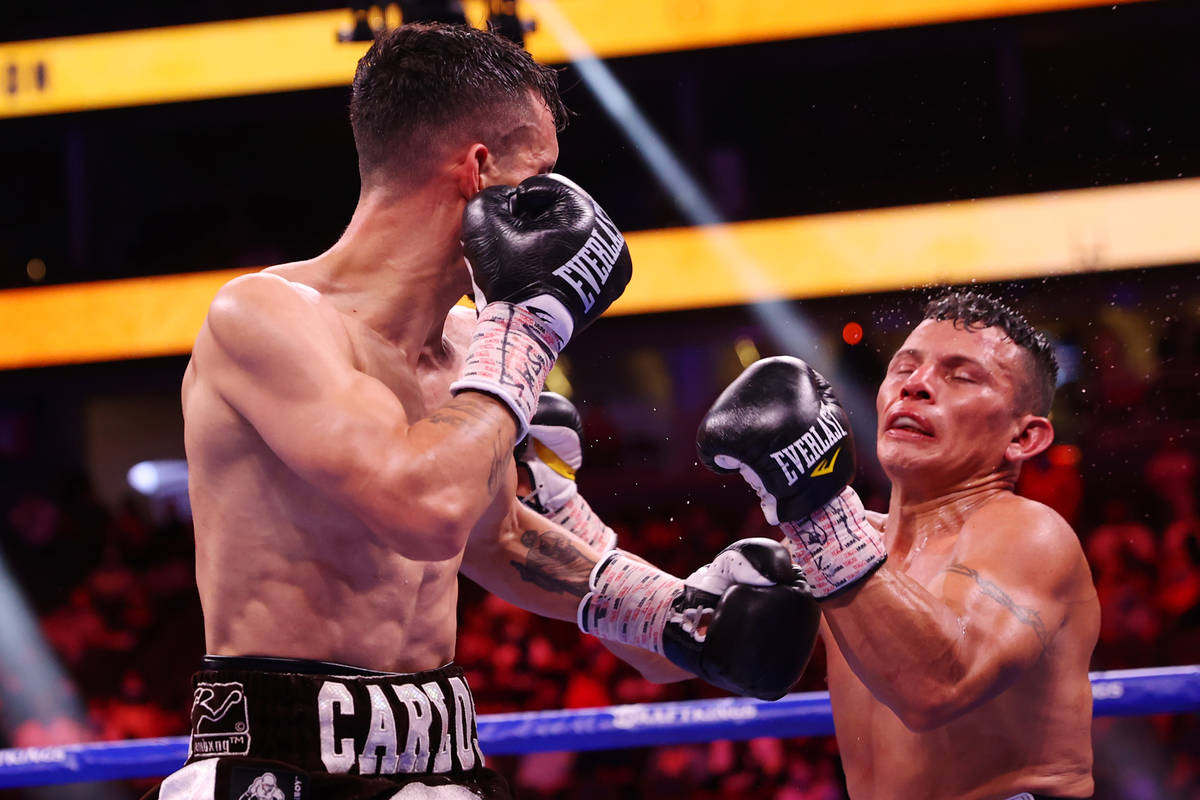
[471,168]
[1034,435]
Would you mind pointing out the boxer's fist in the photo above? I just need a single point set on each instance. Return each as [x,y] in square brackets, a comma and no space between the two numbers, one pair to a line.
[552,453]
[550,456]
[548,246]
[780,425]
[744,622]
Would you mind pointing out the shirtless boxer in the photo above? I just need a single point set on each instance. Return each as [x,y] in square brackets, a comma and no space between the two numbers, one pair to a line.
[959,628]
[350,437]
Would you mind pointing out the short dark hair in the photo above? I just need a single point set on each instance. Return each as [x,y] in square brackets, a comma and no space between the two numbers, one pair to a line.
[420,81]
[976,311]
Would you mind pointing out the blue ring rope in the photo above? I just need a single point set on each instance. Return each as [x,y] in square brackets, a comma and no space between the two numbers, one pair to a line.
[1160,690]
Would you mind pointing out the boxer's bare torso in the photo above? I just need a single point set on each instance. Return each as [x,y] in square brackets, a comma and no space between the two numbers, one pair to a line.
[1034,735]
[958,670]
[285,569]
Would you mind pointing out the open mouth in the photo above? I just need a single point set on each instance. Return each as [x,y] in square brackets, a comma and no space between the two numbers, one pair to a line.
[909,425]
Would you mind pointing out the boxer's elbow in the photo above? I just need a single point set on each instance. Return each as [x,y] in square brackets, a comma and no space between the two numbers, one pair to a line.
[938,703]
[924,715]
[422,522]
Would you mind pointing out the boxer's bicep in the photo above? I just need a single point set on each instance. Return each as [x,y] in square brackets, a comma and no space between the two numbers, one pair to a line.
[279,362]
[1011,595]
[269,353]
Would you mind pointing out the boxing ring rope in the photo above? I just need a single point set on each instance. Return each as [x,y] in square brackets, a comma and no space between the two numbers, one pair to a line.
[1117,693]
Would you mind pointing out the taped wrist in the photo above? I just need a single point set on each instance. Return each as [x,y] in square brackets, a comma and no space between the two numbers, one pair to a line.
[629,602]
[510,355]
[578,517]
[835,546]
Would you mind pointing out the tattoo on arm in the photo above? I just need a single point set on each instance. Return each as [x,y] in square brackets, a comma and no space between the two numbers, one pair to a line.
[1024,614]
[554,563]
[501,458]
[458,412]
[461,412]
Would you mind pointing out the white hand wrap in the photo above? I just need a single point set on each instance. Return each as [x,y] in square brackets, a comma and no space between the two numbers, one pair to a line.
[511,353]
[629,602]
[835,546]
[577,517]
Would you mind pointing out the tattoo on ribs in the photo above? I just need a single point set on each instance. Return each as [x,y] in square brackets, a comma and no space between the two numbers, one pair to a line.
[554,563]
[1024,614]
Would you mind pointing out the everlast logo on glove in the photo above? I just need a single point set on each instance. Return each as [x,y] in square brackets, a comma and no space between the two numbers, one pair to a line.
[814,444]
[514,236]
[595,260]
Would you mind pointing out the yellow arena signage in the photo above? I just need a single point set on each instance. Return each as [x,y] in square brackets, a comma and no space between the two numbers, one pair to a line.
[301,51]
[1117,227]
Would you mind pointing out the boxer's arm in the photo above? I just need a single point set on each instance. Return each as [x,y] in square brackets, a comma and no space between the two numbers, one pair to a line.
[282,361]
[542,567]
[992,614]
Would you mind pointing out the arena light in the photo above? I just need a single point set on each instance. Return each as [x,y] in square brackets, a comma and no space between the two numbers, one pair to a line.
[290,52]
[164,482]
[160,479]
[846,252]
[46,691]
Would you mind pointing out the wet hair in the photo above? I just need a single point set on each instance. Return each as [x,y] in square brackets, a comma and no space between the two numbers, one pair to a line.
[422,84]
[976,311]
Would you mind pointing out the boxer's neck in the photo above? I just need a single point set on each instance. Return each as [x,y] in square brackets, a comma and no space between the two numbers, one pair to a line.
[915,518]
[399,267]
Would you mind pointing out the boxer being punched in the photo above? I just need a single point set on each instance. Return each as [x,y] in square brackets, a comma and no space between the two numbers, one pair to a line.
[350,436]
[959,627]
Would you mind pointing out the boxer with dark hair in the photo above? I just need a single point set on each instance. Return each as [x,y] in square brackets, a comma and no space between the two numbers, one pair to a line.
[350,436]
[959,626]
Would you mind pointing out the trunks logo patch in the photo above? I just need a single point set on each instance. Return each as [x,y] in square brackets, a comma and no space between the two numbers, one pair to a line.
[220,722]
[253,783]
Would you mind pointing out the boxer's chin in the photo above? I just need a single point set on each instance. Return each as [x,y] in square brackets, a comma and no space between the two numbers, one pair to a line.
[903,456]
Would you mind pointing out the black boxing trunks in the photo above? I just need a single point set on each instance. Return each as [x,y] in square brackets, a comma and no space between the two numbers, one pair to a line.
[289,729]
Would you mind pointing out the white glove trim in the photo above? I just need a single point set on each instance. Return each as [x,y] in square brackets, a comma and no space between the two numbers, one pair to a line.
[766,500]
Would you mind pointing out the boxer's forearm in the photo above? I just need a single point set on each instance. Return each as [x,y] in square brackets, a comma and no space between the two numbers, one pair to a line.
[918,656]
[653,667]
[532,563]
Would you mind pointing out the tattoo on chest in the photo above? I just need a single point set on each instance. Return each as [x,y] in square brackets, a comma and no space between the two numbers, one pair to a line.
[1024,614]
[554,563]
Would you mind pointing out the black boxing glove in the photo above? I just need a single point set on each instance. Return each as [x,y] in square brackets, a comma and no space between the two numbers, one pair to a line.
[744,622]
[550,455]
[545,262]
[780,425]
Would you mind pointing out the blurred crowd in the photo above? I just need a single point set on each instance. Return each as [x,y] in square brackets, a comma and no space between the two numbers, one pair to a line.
[113,592]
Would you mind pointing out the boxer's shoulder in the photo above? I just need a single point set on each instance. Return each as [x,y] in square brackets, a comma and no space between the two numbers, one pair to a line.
[1027,537]
[252,313]
[1020,520]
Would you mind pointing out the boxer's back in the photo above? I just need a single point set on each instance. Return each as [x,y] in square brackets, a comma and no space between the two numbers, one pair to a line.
[282,568]
[1034,735]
